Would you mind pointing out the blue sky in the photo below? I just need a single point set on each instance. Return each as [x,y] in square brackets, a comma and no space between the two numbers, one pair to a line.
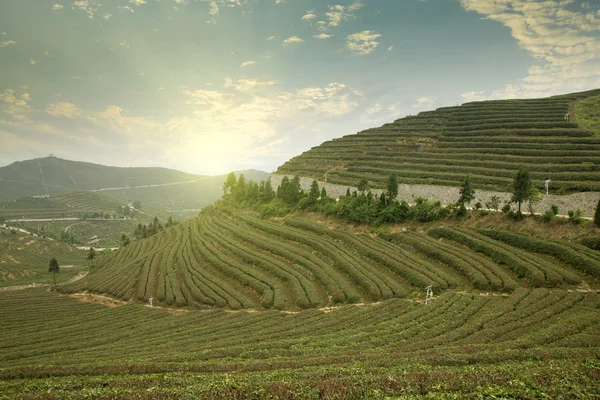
[210,86]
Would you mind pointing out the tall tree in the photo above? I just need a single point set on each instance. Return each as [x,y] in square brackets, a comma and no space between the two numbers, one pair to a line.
[363,185]
[597,215]
[229,183]
[467,194]
[392,187]
[323,193]
[523,189]
[91,255]
[314,191]
[269,193]
[53,268]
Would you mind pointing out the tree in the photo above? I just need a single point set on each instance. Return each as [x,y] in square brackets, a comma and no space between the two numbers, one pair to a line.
[523,189]
[53,268]
[91,255]
[230,183]
[392,188]
[313,195]
[363,185]
[597,215]
[323,193]
[467,194]
[137,205]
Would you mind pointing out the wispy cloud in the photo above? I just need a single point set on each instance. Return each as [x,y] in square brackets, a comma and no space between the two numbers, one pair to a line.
[7,43]
[57,7]
[338,13]
[323,36]
[247,64]
[425,101]
[292,40]
[137,2]
[90,8]
[362,43]
[564,40]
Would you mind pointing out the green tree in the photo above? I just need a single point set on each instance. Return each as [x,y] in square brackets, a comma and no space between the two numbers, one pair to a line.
[523,189]
[269,193]
[313,195]
[363,185]
[53,268]
[392,188]
[597,215]
[91,255]
[323,193]
[229,183]
[137,205]
[467,194]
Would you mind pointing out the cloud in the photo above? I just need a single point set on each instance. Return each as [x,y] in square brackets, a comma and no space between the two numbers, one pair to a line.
[271,38]
[362,43]
[137,2]
[338,13]
[247,64]
[32,61]
[246,85]
[425,101]
[390,48]
[564,40]
[57,7]
[90,8]
[292,40]
[213,8]
[7,43]
[309,16]
[323,36]
[63,110]
[107,16]
[15,103]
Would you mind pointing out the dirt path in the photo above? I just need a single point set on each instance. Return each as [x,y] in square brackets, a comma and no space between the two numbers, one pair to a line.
[37,285]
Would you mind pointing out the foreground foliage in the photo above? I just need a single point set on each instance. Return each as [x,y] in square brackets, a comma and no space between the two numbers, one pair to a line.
[534,343]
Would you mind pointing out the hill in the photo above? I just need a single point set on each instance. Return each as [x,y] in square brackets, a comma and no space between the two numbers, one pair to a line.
[488,140]
[240,261]
[24,259]
[52,175]
[165,189]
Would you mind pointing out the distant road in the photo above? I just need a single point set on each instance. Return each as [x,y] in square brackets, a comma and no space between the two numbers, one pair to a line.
[147,186]
[62,219]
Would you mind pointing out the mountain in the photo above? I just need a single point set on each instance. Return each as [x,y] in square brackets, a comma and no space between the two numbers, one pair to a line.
[53,175]
[161,188]
[488,140]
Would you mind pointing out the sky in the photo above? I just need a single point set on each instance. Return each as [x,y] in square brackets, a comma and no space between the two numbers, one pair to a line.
[212,86]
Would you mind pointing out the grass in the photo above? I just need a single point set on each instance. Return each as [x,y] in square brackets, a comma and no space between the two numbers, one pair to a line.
[24,259]
[587,112]
[534,343]
[240,261]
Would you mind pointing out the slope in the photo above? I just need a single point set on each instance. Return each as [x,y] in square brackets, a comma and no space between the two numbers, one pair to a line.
[488,140]
[240,261]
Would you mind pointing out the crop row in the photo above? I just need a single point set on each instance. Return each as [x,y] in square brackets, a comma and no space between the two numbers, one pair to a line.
[539,271]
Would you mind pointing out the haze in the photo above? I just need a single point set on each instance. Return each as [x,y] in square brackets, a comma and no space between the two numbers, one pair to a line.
[213,86]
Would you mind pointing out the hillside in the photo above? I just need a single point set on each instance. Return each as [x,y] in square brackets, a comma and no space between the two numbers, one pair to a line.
[241,261]
[487,140]
[164,189]
[24,259]
[52,175]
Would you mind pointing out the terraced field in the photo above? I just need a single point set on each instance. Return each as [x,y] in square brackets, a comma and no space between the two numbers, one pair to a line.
[24,259]
[533,343]
[488,140]
[241,261]
[71,204]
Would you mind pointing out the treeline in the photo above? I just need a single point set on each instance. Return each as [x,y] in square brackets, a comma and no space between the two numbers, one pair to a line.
[362,205]
[143,231]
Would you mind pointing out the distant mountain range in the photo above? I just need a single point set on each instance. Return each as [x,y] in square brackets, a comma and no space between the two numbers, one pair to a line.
[161,188]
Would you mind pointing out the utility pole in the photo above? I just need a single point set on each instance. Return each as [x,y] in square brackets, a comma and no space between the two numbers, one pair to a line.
[429,293]
[547,185]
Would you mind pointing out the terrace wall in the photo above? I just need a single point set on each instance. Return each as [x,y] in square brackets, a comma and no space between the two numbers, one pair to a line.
[587,201]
